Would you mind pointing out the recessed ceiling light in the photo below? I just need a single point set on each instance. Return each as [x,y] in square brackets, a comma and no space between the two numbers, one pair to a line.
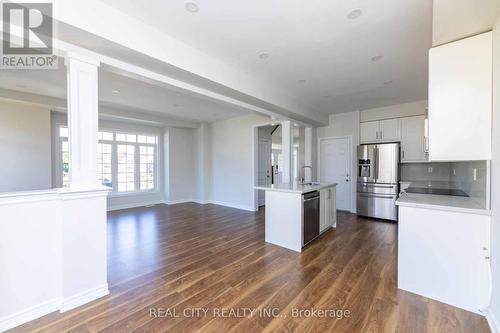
[191,6]
[377,58]
[116,91]
[264,55]
[388,82]
[302,81]
[354,14]
[326,96]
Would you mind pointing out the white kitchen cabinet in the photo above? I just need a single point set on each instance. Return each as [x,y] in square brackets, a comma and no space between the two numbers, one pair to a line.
[413,139]
[380,131]
[369,131]
[441,255]
[460,99]
[328,210]
[390,130]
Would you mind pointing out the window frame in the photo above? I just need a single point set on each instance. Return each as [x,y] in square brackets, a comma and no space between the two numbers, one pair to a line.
[114,159]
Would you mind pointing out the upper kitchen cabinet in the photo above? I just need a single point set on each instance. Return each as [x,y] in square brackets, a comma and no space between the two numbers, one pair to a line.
[460,99]
[369,131]
[413,139]
[380,131]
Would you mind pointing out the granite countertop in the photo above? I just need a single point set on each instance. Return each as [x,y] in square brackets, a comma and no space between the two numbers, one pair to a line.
[295,187]
[443,202]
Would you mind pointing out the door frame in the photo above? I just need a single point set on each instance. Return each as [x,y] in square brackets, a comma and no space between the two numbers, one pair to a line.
[353,176]
[255,159]
[270,143]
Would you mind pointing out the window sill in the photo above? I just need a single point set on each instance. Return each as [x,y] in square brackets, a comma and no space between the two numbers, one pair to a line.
[131,194]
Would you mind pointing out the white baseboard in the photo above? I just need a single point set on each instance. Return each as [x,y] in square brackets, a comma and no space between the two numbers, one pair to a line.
[175,202]
[493,322]
[134,205]
[180,201]
[83,297]
[231,205]
[29,314]
[213,202]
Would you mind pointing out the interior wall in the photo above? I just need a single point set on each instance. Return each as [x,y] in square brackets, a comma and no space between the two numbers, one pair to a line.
[395,111]
[203,163]
[232,161]
[344,124]
[181,170]
[494,312]
[25,147]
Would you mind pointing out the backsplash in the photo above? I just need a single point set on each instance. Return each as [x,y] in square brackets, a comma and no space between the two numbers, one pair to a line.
[462,175]
[426,171]
[458,174]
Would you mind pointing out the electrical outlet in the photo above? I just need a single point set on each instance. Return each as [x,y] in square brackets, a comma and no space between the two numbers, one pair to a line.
[475,174]
[429,169]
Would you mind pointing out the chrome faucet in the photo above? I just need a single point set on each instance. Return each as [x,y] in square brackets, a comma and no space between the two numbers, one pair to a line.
[303,173]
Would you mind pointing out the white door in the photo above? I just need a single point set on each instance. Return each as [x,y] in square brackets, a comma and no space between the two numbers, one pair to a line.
[335,167]
[264,168]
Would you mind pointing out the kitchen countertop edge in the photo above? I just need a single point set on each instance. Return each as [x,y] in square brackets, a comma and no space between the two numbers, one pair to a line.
[299,189]
[428,201]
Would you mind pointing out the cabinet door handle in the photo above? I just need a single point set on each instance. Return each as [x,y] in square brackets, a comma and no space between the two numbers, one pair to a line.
[403,154]
[381,135]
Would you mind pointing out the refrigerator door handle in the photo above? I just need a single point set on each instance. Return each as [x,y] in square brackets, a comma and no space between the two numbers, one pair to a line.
[375,167]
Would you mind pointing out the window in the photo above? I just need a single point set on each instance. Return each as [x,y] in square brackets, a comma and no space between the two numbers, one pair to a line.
[63,134]
[126,168]
[147,167]
[104,168]
[65,162]
[126,162]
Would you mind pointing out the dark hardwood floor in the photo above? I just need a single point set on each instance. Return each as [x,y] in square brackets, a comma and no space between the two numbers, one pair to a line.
[208,257]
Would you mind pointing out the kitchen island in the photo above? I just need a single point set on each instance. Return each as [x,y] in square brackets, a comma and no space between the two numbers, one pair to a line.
[288,206]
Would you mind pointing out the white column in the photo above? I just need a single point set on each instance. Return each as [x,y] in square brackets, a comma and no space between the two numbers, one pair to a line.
[82,121]
[83,243]
[308,133]
[287,149]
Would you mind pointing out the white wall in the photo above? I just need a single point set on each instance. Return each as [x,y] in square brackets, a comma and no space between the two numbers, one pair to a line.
[395,111]
[180,170]
[25,147]
[232,168]
[343,124]
[203,163]
[494,315]
[52,252]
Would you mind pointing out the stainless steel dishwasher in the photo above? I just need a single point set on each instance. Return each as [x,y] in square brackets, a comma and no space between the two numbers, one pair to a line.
[310,201]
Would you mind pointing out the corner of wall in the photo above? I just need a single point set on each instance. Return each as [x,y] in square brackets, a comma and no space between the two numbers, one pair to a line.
[494,310]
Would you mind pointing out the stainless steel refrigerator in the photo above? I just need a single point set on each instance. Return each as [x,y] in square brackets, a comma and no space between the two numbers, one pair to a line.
[378,180]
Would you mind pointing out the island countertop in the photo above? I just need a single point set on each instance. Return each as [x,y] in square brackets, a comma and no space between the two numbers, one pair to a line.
[295,187]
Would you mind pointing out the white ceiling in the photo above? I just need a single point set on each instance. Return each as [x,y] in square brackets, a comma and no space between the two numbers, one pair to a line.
[134,95]
[312,41]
